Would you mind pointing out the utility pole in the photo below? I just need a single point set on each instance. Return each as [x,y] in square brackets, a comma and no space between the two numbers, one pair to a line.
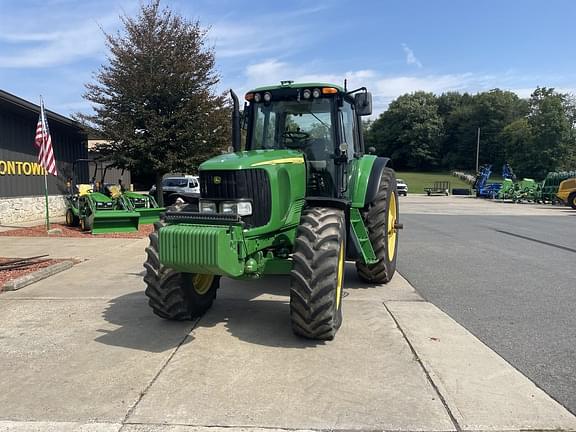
[477,149]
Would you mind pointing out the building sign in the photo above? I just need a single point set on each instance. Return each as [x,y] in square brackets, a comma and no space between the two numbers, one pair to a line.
[20,168]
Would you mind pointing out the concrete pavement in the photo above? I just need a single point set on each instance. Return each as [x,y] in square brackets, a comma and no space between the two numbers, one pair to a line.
[508,278]
[82,351]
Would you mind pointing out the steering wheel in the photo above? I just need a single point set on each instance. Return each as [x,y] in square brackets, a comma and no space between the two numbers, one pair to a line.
[298,138]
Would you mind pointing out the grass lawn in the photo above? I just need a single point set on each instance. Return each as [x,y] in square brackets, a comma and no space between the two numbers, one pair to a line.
[417,181]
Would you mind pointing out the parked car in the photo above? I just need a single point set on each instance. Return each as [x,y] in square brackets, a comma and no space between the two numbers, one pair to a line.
[401,187]
[184,188]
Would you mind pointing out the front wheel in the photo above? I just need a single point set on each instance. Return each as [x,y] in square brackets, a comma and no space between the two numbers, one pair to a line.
[318,273]
[381,220]
[174,295]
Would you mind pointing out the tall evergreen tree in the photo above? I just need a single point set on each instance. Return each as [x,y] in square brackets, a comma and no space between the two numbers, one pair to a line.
[155,98]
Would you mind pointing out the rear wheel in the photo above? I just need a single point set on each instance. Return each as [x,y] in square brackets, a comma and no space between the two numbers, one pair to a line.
[318,273]
[381,218]
[572,200]
[175,295]
[71,218]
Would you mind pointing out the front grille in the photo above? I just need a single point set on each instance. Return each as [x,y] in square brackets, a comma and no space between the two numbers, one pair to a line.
[252,184]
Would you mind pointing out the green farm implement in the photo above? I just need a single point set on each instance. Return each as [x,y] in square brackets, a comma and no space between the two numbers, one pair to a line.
[96,211]
[301,199]
[144,204]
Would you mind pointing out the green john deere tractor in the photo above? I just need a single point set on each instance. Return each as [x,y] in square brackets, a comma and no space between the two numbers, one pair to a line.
[301,199]
[145,204]
[95,210]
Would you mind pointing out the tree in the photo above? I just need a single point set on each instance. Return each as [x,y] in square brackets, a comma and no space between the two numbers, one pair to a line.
[520,148]
[154,100]
[552,128]
[410,131]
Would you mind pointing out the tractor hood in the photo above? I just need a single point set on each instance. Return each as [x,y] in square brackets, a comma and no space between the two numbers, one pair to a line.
[252,159]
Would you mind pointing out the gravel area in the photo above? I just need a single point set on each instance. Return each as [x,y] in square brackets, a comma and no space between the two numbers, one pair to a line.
[40,231]
[7,275]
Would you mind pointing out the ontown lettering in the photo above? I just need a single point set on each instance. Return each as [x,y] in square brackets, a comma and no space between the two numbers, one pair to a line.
[20,168]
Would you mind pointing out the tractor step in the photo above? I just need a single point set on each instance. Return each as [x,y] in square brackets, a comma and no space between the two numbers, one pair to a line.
[361,234]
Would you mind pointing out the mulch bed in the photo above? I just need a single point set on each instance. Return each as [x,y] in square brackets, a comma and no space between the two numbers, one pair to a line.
[40,231]
[7,275]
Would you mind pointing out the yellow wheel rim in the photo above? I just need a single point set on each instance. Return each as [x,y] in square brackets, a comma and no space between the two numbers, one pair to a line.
[340,275]
[391,234]
[202,283]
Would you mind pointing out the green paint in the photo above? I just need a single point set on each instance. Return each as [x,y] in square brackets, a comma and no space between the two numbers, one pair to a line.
[287,184]
[361,234]
[359,174]
[252,159]
[203,249]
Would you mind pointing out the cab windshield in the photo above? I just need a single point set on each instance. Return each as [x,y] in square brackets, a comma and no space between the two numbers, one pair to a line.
[305,126]
[293,125]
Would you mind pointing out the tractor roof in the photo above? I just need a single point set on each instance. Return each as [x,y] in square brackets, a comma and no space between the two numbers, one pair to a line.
[297,85]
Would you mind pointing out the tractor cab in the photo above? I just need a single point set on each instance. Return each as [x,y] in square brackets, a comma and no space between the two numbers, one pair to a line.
[322,121]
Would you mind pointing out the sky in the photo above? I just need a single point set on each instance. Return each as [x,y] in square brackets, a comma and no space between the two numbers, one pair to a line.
[53,47]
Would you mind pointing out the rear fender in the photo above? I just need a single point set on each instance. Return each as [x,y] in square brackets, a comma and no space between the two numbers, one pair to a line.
[366,178]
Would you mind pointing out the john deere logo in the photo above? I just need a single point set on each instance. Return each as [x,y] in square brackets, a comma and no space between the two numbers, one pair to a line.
[217,180]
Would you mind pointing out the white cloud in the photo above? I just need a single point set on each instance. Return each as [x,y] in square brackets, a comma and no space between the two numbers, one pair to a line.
[262,34]
[385,88]
[410,57]
[58,47]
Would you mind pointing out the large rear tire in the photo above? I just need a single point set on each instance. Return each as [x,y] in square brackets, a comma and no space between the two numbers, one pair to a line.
[381,218]
[174,295]
[318,273]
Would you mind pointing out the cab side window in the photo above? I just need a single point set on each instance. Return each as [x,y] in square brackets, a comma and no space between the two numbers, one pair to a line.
[348,132]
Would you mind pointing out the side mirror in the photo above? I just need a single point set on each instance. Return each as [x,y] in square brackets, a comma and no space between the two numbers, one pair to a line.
[371,150]
[363,103]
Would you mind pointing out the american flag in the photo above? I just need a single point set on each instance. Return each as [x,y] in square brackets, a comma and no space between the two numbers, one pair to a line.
[43,141]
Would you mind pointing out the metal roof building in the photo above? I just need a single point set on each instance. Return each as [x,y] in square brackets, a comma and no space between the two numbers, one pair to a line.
[20,174]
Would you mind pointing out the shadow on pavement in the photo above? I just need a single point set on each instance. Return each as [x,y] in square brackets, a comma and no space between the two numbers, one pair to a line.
[254,311]
[138,328]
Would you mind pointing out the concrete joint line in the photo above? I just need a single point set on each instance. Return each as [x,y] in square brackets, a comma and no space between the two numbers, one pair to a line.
[155,377]
[428,376]
[271,428]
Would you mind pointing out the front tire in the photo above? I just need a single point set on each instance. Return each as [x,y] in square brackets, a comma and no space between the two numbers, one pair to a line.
[380,219]
[175,295]
[318,273]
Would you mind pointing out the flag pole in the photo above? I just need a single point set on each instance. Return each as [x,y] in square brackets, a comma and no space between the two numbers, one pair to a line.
[45,172]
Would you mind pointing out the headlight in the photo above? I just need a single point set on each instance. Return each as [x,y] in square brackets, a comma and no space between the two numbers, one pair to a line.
[267,97]
[306,94]
[242,208]
[207,206]
[228,207]
[316,93]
